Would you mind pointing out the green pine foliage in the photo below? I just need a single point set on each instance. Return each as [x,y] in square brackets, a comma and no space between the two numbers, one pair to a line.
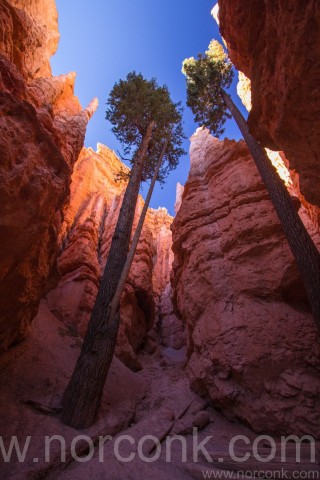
[206,77]
[132,104]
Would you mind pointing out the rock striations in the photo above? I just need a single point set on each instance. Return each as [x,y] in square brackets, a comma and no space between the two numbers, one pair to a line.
[42,132]
[276,45]
[252,343]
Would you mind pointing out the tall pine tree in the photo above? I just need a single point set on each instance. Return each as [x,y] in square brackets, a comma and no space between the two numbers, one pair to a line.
[144,118]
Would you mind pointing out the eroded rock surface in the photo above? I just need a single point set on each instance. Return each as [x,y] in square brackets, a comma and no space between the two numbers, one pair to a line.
[252,342]
[42,131]
[276,45]
[309,213]
[90,219]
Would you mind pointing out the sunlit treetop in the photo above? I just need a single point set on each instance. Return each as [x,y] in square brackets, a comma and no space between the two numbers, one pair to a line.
[132,104]
[206,77]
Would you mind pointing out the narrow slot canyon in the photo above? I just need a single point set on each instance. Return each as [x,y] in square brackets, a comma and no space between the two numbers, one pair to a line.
[217,337]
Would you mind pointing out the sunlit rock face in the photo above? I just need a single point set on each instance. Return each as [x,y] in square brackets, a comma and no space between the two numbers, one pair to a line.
[244,91]
[252,343]
[90,219]
[179,193]
[42,132]
[276,45]
[30,35]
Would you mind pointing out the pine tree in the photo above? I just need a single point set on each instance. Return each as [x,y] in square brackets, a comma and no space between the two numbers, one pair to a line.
[144,118]
[207,77]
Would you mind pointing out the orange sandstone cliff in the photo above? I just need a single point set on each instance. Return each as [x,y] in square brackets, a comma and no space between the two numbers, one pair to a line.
[49,229]
[42,131]
[90,219]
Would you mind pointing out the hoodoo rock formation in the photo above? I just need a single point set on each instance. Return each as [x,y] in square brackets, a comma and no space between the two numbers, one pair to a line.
[276,45]
[95,201]
[252,343]
[42,131]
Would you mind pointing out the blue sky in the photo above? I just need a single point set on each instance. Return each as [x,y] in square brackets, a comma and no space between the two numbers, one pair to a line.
[103,40]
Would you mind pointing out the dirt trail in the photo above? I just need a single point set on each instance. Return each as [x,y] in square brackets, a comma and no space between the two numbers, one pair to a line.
[156,401]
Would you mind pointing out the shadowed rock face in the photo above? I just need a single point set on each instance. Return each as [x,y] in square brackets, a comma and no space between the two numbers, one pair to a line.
[252,343]
[276,45]
[90,219]
[42,132]
[309,214]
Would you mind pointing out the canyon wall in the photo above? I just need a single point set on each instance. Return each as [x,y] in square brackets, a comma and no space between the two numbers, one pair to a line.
[85,238]
[54,234]
[252,343]
[276,45]
[309,213]
[42,131]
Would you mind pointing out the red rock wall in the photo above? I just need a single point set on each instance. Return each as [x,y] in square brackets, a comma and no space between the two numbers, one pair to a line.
[252,343]
[86,234]
[310,214]
[276,45]
[42,132]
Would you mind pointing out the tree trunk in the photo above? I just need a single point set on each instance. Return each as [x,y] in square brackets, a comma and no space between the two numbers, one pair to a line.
[301,244]
[126,269]
[83,394]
